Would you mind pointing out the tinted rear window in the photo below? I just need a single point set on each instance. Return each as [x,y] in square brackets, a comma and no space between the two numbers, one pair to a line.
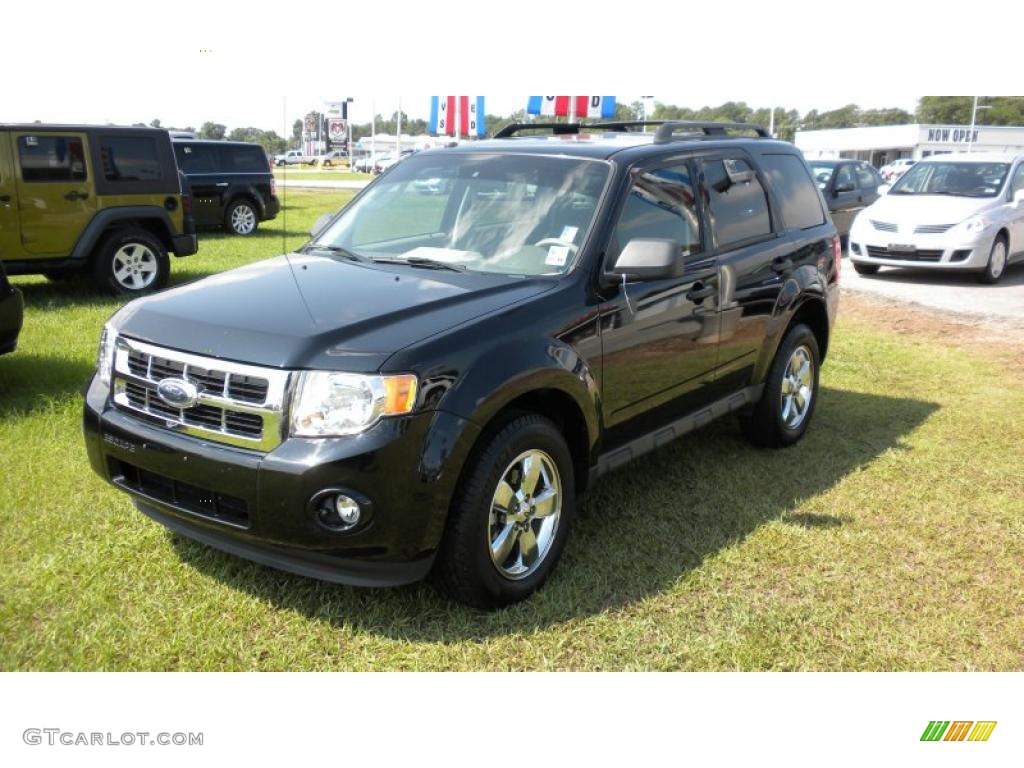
[794,190]
[51,158]
[196,158]
[129,158]
[243,160]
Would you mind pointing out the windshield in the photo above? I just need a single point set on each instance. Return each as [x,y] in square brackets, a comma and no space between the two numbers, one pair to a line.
[952,178]
[511,214]
[822,173]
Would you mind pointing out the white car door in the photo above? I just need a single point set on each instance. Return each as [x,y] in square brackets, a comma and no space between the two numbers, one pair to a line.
[1016,214]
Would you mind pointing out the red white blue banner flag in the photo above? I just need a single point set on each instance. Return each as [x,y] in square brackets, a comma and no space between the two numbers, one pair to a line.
[584,106]
[469,111]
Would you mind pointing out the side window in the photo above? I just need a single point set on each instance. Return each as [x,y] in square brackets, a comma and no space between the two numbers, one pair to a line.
[243,160]
[196,158]
[129,158]
[661,204]
[844,178]
[794,190]
[51,158]
[1018,181]
[737,201]
[867,177]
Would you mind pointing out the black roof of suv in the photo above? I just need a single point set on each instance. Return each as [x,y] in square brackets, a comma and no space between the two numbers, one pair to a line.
[425,386]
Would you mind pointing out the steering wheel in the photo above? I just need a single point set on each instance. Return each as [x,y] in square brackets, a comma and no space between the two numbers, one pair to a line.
[557,241]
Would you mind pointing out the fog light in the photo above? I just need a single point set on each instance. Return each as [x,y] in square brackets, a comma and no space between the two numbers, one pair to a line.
[338,512]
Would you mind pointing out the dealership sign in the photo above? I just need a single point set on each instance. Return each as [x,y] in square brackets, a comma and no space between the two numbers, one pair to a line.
[953,134]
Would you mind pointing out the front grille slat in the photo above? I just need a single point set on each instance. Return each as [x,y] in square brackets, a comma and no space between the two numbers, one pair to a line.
[884,226]
[932,229]
[877,252]
[241,408]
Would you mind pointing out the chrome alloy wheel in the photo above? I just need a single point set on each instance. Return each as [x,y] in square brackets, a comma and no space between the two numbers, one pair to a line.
[243,219]
[797,387]
[524,514]
[134,266]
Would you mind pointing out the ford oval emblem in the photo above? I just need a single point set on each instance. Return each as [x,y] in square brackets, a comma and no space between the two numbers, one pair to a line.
[178,393]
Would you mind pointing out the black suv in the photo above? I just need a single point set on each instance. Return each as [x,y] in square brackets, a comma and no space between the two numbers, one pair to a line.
[232,184]
[427,386]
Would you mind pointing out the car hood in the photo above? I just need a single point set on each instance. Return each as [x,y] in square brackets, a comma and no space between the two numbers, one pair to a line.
[311,311]
[927,209]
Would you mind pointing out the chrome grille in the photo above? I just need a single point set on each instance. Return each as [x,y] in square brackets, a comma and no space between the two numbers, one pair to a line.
[932,229]
[877,252]
[241,405]
[884,226]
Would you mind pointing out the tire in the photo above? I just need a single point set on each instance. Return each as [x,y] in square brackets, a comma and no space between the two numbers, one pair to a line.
[996,266]
[771,424]
[865,269]
[484,559]
[242,217]
[131,262]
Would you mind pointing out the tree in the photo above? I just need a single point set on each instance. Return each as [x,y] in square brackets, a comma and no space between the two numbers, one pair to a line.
[154,124]
[952,110]
[215,131]
[297,131]
[269,140]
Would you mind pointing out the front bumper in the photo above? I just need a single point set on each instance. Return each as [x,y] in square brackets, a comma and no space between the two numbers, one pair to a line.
[257,505]
[946,251]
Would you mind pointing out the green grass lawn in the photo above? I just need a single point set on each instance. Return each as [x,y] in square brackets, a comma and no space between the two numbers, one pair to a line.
[892,537]
[323,174]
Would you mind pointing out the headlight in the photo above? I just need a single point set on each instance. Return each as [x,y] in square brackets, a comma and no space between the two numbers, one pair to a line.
[975,224]
[331,404]
[105,357]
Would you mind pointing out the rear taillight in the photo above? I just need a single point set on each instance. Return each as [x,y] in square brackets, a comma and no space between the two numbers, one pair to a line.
[186,204]
[273,185]
[837,255]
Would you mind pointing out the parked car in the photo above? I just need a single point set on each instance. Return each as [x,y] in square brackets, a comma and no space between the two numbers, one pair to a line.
[232,185]
[101,201]
[294,157]
[384,163]
[366,163]
[961,212]
[332,158]
[11,312]
[890,172]
[848,187]
[427,390]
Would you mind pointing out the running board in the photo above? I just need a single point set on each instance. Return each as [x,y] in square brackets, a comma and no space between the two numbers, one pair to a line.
[614,459]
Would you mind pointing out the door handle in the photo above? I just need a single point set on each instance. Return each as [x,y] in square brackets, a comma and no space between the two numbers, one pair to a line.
[699,292]
[76,196]
[783,264]
[5,199]
[224,184]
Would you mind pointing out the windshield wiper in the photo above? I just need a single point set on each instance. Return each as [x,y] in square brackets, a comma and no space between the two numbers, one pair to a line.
[343,252]
[420,261]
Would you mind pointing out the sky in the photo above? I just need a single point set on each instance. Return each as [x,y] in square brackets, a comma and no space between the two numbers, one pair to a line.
[121,62]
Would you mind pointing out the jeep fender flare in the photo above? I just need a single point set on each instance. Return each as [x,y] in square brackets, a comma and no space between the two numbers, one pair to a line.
[104,220]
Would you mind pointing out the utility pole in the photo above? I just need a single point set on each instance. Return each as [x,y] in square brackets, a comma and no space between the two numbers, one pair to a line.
[974,116]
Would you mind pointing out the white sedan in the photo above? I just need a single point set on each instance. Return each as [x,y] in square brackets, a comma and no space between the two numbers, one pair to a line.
[952,212]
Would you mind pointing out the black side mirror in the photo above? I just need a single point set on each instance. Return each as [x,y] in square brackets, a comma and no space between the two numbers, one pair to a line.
[646,258]
[321,223]
[846,186]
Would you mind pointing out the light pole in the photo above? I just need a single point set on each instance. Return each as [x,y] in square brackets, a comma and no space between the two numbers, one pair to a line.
[643,101]
[974,117]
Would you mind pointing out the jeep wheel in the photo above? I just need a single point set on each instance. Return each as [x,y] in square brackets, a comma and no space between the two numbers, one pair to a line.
[131,261]
[781,416]
[241,218]
[510,518]
[865,269]
[993,271]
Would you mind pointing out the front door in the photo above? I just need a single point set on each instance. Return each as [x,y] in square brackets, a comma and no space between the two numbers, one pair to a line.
[659,337]
[55,190]
[10,241]
[845,198]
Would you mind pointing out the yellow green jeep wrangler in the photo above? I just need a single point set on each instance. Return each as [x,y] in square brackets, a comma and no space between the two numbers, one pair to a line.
[103,201]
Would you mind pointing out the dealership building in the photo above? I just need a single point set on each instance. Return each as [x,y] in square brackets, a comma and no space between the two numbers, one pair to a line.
[884,143]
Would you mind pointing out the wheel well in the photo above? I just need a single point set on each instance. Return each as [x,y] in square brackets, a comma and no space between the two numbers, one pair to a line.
[813,314]
[567,416]
[1003,233]
[249,198]
[154,226]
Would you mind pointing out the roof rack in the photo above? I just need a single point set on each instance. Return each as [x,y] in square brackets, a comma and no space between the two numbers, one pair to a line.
[665,133]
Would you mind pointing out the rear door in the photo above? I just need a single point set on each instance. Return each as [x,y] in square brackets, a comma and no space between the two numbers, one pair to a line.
[244,167]
[659,337]
[1016,214]
[55,190]
[845,198]
[200,163]
[10,240]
